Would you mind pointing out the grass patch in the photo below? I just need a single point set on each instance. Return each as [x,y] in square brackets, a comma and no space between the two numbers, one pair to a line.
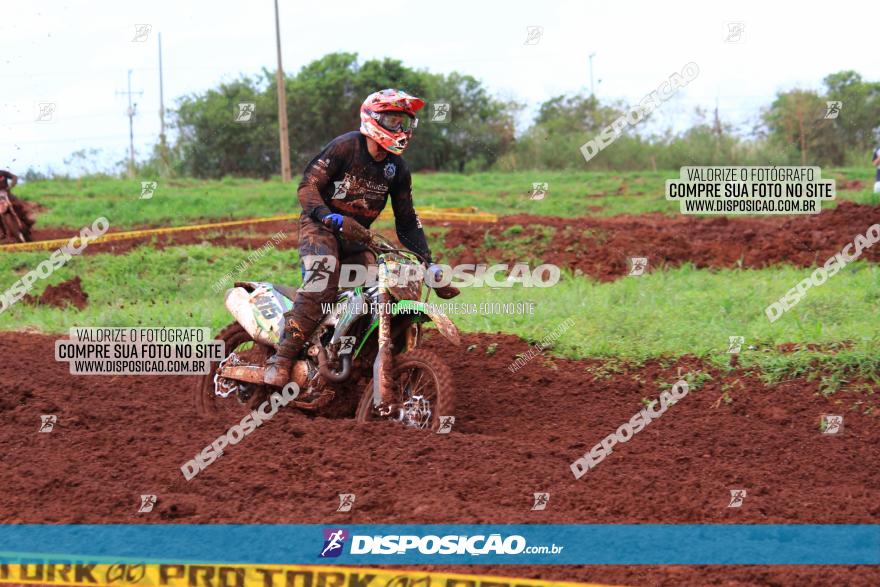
[171,287]
[663,314]
[76,203]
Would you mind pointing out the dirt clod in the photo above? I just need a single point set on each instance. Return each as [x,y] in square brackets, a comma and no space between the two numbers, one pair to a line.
[66,293]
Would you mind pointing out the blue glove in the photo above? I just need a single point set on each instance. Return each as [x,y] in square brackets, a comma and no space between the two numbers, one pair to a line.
[435,273]
[333,220]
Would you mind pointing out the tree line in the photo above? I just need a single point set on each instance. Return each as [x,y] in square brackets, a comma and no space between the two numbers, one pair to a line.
[324,97]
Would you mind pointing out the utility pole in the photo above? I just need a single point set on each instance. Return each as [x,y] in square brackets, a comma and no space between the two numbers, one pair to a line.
[802,132]
[131,113]
[163,146]
[282,106]
[592,87]
[717,131]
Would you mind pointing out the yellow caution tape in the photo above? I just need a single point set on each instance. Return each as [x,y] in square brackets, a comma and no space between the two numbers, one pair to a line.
[214,575]
[467,213]
[445,214]
[130,234]
[463,214]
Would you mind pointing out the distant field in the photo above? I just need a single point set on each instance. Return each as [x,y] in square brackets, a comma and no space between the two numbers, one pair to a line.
[671,313]
[75,203]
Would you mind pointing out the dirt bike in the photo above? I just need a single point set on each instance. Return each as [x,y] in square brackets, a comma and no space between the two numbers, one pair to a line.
[12,225]
[372,335]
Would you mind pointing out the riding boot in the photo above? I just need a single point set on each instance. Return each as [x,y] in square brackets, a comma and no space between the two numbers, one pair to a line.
[279,365]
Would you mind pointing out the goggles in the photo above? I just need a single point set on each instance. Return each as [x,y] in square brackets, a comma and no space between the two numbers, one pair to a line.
[395,121]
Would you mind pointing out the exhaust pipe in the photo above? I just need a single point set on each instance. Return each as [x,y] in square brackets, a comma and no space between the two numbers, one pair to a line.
[329,374]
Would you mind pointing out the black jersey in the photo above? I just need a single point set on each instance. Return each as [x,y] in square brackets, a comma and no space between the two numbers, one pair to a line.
[345,179]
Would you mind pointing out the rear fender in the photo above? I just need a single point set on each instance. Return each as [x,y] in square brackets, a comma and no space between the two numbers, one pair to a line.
[260,311]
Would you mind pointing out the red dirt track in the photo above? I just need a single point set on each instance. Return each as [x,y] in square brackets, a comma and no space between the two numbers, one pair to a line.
[120,437]
[602,247]
[599,247]
[66,293]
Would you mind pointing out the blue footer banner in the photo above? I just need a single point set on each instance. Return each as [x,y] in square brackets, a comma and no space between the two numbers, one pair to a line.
[390,544]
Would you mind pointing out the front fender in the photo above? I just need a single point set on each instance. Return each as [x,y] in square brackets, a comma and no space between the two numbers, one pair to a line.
[446,326]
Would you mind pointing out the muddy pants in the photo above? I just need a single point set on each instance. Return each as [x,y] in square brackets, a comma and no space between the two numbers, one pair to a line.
[18,208]
[321,255]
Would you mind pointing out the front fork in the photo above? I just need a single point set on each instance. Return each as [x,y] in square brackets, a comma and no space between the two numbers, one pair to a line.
[412,336]
[6,207]
[383,366]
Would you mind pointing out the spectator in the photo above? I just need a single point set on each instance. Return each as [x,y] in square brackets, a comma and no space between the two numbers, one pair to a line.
[876,163]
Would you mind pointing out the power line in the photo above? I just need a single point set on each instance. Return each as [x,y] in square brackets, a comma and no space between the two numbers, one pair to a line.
[106,114]
[76,139]
[78,74]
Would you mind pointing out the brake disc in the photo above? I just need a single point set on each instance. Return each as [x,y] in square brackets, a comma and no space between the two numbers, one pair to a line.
[416,412]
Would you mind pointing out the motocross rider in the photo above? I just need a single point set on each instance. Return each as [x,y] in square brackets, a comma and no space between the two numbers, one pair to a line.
[350,180]
[5,178]
[9,180]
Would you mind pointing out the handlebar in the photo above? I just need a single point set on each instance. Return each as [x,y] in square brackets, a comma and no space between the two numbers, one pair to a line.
[353,231]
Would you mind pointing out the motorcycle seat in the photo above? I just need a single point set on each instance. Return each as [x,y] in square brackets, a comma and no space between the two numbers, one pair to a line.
[285,290]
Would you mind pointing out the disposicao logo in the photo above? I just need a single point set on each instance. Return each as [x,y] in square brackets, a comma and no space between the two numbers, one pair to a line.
[334,543]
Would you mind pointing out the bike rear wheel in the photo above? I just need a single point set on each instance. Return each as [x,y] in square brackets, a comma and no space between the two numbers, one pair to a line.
[236,340]
[14,228]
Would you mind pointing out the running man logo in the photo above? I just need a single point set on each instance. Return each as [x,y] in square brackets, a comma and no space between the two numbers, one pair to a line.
[340,188]
[539,190]
[832,109]
[441,112]
[141,33]
[245,112]
[317,271]
[346,502]
[45,110]
[735,32]
[47,422]
[334,540]
[541,500]
[533,35]
[147,189]
[735,344]
[346,345]
[125,574]
[638,265]
[147,503]
[831,424]
[737,496]
[446,423]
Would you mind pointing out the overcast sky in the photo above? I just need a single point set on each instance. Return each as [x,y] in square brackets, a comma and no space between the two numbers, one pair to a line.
[76,55]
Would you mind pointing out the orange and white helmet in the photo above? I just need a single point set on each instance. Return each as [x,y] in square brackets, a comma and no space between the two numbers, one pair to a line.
[389,117]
